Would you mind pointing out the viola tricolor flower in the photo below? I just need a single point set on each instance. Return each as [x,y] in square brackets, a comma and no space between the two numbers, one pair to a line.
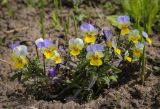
[46,46]
[117,51]
[20,50]
[95,54]
[134,36]
[89,32]
[107,36]
[145,35]
[53,71]
[123,24]
[137,51]
[18,61]
[75,46]
[127,57]
[18,56]
[57,58]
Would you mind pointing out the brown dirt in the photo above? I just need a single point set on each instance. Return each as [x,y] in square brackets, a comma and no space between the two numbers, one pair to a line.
[128,93]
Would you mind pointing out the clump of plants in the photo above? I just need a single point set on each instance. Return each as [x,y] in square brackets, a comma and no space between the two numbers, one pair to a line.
[84,67]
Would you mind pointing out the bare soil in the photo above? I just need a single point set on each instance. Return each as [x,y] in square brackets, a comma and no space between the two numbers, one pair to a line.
[126,94]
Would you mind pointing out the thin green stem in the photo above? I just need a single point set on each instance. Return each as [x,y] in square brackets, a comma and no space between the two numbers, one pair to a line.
[44,65]
[37,52]
[143,66]
[42,17]
[75,25]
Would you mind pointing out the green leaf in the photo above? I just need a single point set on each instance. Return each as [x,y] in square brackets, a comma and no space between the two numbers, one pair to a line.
[113,78]
[143,12]
[18,74]
[116,70]
[152,15]
[113,20]
[106,80]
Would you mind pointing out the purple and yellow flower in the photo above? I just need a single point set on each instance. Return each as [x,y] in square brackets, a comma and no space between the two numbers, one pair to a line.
[95,54]
[46,46]
[75,46]
[107,36]
[137,51]
[57,58]
[89,32]
[145,35]
[134,36]
[18,61]
[123,24]
[18,56]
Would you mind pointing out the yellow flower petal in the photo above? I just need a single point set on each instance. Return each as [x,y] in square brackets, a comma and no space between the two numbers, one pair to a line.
[96,62]
[48,52]
[19,61]
[149,40]
[74,51]
[89,38]
[129,59]
[125,30]
[137,52]
[117,51]
[57,59]
[134,39]
[109,44]
[95,58]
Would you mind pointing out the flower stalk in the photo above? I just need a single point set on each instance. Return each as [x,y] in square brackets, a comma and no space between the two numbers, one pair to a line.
[142,75]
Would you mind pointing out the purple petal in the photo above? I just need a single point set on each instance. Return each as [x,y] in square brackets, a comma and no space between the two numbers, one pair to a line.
[52,72]
[41,45]
[144,34]
[95,47]
[13,45]
[107,33]
[123,19]
[88,27]
[47,42]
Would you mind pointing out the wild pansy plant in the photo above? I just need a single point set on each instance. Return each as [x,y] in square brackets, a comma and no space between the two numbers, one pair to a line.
[123,24]
[145,35]
[87,66]
[46,47]
[18,56]
[89,32]
[116,49]
[75,46]
[127,57]
[107,36]
[137,50]
[134,36]
[95,54]
[135,45]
